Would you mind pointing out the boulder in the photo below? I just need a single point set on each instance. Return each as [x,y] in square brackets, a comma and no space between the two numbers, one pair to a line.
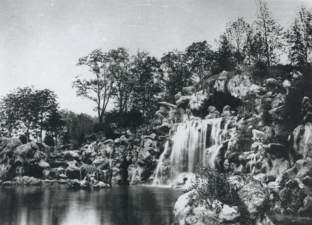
[226,111]
[279,100]
[213,113]
[229,214]
[306,110]
[277,113]
[254,198]
[183,100]
[220,83]
[7,183]
[271,83]
[241,85]
[302,142]
[191,209]
[188,90]
[198,100]
[33,181]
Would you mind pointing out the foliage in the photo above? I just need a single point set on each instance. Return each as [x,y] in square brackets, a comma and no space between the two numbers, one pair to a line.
[77,126]
[224,57]
[119,68]
[55,125]
[29,109]
[148,84]
[176,73]
[299,38]
[99,89]
[130,120]
[237,34]
[200,59]
[218,187]
[268,35]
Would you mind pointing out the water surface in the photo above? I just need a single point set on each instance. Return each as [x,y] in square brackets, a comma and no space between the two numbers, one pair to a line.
[57,205]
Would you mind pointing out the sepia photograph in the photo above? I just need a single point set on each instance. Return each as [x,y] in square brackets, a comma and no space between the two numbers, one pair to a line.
[155,112]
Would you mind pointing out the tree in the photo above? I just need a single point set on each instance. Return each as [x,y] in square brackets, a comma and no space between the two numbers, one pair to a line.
[200,59]
[75,125]
[299,38]
[237,34]
[45,105]
[269,35]
[224,57]
[55,125]
[99,89]
[119,68]
[28,108]
[176,73]
[148,84]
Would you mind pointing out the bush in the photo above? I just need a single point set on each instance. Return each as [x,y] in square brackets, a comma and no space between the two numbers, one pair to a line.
[218,187]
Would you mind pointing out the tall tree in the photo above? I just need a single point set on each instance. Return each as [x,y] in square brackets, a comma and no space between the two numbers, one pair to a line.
[45,105]
[176,73]
[237,34]
[270,34]
[99,89]
[148,84]
[200,59]
[55,125]
[224,57]
[119,68]
[299,38]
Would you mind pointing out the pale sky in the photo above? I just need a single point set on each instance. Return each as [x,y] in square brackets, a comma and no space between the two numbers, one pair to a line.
[41,40]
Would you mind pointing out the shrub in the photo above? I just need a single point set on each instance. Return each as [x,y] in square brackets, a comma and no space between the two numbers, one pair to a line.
[218,187]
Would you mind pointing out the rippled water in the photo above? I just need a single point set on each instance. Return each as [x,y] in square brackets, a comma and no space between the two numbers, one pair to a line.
[129,205]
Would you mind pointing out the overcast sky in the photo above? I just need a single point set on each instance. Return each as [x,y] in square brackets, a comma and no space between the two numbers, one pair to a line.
[41,40]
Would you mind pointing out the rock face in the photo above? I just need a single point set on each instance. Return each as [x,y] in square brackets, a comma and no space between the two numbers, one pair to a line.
[190,209]
[21,159]
[268,172]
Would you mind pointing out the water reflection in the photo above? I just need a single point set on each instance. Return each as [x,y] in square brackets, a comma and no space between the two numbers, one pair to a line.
[60,206]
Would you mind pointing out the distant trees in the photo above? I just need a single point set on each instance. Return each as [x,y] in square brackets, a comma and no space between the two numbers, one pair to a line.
[77,127]
[299,38]
[28,109]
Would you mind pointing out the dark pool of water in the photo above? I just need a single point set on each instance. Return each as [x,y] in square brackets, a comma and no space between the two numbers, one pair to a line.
[57,205]
[291,220]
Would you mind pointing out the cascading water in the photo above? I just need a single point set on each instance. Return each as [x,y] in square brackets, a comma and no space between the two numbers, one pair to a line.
[158,171]
[190,145]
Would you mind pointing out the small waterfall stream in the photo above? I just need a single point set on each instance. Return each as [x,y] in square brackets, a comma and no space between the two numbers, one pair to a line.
[194,142]
[158,172]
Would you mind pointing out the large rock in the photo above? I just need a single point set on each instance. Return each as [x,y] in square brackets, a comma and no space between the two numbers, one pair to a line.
[302,142]
[241,85]
[254,198]
[191,209]
[220,83]
[198,100]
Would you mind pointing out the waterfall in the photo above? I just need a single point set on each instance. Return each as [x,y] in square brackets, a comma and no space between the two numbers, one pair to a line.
[158,171]
[190,143]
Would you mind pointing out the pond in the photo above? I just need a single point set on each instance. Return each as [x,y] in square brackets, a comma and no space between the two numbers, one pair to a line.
[57,205]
